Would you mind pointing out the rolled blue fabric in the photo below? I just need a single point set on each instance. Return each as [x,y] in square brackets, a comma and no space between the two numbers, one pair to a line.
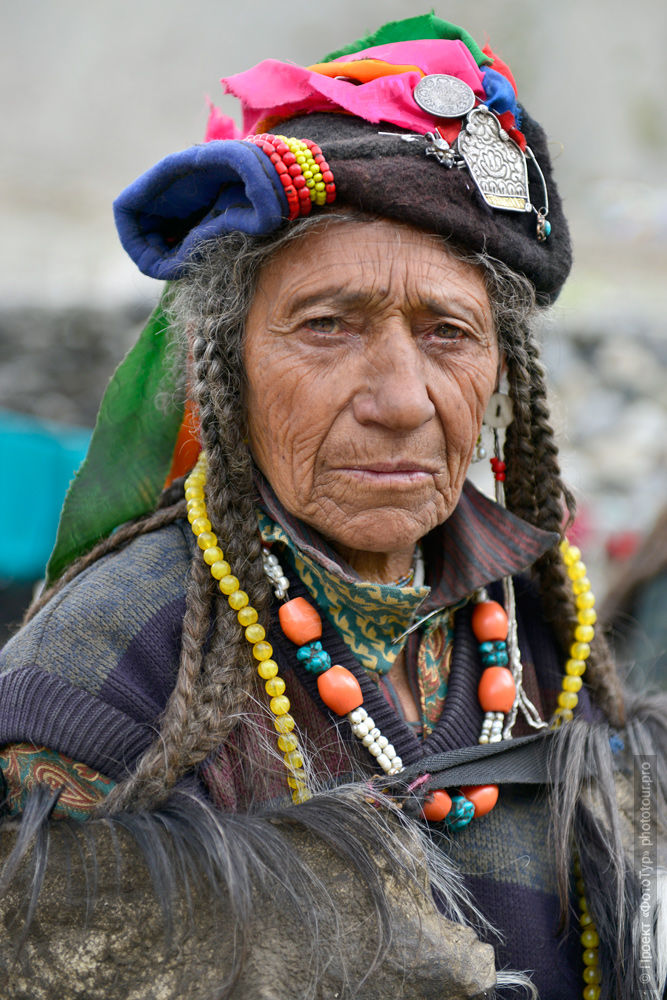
[195,195]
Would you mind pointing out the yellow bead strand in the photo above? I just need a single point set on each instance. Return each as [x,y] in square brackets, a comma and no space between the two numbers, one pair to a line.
[590,940]
[238,601]
[575,667]
[584,632]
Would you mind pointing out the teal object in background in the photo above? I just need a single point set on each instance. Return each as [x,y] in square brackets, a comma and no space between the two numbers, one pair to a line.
[38,460]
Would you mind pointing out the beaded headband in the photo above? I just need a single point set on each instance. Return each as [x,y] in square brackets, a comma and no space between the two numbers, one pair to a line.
[415,122]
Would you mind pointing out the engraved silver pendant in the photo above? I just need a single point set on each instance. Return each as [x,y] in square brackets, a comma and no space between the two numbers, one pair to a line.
[444,96]
[497,165]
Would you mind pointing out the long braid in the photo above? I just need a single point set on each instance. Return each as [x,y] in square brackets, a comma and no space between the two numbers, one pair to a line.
[534,488]
[213,686]
[163,763]
[535,491]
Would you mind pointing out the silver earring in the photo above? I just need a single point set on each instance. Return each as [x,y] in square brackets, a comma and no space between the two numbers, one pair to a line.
[479,451]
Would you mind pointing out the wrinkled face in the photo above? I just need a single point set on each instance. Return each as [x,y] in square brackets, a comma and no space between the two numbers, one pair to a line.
[370,356]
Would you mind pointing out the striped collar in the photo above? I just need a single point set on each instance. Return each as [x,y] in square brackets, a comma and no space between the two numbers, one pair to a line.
[480,542]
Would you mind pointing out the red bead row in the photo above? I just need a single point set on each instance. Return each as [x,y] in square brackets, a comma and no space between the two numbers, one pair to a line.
[297,192]
[498,468]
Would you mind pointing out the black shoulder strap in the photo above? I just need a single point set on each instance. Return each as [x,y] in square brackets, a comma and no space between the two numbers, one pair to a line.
[520,761]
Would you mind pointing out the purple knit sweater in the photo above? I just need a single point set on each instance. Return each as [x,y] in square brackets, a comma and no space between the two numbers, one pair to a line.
[92,672]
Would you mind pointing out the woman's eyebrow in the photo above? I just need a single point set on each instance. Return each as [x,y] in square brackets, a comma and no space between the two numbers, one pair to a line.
[471,311]
[340,298]
[333,295]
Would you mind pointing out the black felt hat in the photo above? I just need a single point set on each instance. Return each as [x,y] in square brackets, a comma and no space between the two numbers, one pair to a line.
[388,176]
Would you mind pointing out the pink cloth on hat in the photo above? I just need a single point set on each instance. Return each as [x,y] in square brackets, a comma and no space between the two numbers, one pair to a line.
[274,88]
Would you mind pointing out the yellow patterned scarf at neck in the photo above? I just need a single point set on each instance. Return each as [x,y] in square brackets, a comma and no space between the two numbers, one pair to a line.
[368,616]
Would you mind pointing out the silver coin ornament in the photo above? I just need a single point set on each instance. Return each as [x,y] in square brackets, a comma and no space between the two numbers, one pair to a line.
[444,96]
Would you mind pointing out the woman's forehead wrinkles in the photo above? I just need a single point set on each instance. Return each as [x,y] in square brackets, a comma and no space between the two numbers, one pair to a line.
[417,290]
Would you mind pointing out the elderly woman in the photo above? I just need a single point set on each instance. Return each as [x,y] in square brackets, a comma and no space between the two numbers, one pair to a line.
[324,609]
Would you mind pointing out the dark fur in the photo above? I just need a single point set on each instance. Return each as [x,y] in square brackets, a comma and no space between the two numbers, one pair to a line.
[587,820]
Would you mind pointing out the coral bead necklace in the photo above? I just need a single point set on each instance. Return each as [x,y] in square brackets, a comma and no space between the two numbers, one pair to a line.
[339,689]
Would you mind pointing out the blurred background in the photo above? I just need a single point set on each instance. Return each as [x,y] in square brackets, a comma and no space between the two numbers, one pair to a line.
[92,94]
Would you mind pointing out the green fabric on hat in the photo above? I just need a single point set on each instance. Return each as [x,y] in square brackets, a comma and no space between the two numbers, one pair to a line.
[413,29]
[132,445]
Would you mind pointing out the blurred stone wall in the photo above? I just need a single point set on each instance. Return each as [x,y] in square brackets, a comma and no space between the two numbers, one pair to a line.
[93,94]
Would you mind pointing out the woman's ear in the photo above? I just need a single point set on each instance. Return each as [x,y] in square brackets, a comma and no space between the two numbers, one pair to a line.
[502,369]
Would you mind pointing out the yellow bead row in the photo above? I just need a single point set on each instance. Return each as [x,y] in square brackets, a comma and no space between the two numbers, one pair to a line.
[590,940]
[309,168]
[584,631]
[262,651]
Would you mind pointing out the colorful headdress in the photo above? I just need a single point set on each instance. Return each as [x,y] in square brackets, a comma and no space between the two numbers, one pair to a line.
[416,123]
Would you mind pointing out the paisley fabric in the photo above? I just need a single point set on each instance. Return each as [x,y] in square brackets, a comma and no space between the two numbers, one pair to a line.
[433,656]
[370,616]
[25,766]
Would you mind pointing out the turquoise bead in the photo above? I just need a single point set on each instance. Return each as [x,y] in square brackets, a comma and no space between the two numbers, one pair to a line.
[314,658]
[461,813]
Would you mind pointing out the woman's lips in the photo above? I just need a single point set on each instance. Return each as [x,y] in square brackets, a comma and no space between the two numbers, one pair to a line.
[390,473]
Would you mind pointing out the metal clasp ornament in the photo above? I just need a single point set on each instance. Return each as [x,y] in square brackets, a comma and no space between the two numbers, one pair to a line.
[443,152]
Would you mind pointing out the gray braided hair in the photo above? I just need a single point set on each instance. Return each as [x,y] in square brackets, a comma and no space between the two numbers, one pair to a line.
[216,677]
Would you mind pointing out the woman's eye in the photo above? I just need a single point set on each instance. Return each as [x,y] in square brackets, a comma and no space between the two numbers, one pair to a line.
[447,331]
[323,324]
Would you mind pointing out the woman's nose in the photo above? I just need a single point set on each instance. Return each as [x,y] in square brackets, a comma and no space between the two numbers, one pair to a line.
[393,391]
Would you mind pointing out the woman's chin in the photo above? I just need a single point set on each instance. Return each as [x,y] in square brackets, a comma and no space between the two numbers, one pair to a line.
[383,530]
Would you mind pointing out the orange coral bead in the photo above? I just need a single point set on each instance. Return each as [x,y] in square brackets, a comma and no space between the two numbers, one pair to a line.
[483,797]
[436,806]
[489,622]
[300,621]
[496,690]
[339,690]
